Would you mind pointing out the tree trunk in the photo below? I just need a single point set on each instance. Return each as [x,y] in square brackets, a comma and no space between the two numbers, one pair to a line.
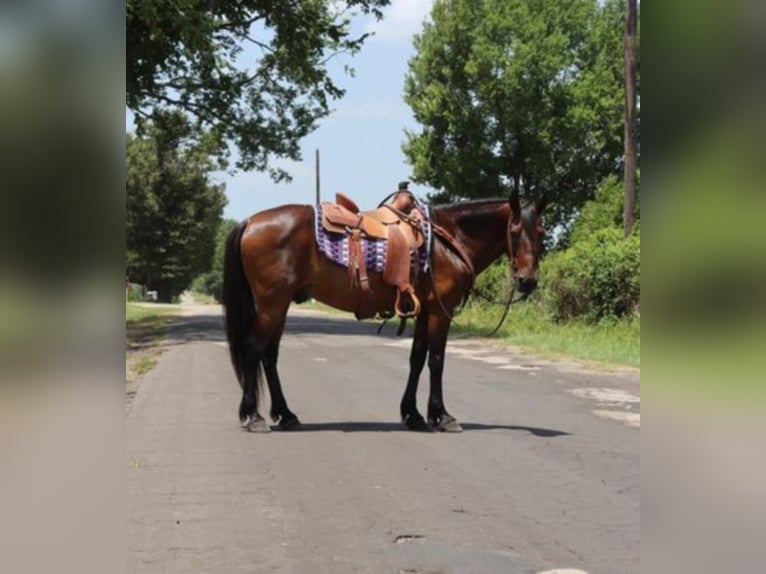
[629,176]
[165,291]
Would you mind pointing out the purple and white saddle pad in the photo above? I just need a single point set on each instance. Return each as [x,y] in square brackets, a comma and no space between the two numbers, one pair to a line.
[334,246]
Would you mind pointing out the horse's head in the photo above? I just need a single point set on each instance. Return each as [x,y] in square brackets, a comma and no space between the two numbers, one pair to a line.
[525,234]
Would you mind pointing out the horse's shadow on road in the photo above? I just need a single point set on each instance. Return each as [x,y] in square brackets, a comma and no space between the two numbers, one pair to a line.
[366,426]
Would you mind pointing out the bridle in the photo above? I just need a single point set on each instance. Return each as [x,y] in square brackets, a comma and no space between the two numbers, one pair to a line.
[513,231]
[513,238]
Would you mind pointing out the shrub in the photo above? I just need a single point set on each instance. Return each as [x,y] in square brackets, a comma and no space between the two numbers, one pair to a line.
[605,210]
[210,283]
[135,292]
[492,284]
[596,278]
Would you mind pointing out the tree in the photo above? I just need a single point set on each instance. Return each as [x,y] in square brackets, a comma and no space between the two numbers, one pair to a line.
[173,211]
[517,94]
[630,166]
[189,54]
[211,282]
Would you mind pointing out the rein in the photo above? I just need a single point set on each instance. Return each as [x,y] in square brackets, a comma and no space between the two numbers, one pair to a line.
[512,230]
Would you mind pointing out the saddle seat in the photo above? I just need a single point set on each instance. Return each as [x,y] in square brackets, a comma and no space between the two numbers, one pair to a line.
[398,224]
[343,215]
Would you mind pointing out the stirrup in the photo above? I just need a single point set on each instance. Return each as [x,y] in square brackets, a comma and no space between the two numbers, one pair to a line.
[415,303]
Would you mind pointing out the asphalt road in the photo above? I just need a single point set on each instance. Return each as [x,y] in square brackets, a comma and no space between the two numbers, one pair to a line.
[545,475]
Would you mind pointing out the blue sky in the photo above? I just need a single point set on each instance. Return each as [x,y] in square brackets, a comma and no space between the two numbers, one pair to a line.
[360,142]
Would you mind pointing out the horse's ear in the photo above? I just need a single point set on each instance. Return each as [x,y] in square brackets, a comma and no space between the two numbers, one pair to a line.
[540,205]
[515,206]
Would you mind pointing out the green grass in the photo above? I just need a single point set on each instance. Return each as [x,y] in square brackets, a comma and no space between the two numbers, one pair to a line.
[203,298]
[530,327]
[144,364]
[144,329]
[145,324]
[135,313]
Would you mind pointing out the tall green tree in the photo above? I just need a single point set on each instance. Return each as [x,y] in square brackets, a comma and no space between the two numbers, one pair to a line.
[517,94]
[190,54]
[173,210]
[211,282]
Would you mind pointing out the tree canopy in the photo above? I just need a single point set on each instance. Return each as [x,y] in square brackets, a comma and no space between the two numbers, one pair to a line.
[173,210]
[211,282]
[190,55]
[514,94]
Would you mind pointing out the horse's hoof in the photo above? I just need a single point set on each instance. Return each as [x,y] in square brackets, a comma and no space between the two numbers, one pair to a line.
[448,424]
[256,424]
[289,424]
[417,423]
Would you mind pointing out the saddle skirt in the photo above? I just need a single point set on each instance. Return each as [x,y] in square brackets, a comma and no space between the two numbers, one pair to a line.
[333,241]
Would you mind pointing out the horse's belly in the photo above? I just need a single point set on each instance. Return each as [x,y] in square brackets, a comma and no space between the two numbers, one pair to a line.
[331,285]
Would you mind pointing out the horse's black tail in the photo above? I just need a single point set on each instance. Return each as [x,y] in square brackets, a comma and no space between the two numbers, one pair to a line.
[238,303]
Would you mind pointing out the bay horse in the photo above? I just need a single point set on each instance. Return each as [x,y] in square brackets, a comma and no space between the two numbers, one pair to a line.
[272,259]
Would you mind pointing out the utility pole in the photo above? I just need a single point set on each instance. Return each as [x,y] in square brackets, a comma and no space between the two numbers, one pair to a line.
[317,174]
[629,176]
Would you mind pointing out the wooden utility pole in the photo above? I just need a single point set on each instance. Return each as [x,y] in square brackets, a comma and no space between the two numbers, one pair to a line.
[317,174]
[629,175]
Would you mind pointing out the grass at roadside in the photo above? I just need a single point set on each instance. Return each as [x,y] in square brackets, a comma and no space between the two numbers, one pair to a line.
[202,298]
[137,314]
[530,327]
[144,328]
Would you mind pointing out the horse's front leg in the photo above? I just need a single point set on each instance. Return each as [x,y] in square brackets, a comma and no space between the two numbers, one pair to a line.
[409,408]
[438,417]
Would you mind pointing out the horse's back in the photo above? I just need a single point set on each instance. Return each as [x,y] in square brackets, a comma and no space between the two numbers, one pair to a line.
[276,225]
[278,244]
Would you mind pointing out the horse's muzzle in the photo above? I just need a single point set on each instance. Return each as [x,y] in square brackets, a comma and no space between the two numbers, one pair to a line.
[526,284]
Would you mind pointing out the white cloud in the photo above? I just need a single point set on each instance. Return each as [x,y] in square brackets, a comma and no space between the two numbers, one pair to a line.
[402,19]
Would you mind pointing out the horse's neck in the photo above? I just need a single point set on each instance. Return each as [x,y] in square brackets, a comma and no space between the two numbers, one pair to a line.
[483,234]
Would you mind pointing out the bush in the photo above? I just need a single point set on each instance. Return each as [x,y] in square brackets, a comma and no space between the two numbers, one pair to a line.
[492,284]
[210,283]
[135,292]
[605,210]
[597,277]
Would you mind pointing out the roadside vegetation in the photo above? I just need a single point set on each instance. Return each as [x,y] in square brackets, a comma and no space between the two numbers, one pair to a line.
[144,332]
[530,326]
[587,304]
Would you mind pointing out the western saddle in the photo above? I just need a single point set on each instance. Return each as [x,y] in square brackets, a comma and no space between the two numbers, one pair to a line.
[400,225]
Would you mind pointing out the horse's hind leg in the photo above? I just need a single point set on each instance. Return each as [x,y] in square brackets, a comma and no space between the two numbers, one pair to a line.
[262,348]
[282,415]
[251,375]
